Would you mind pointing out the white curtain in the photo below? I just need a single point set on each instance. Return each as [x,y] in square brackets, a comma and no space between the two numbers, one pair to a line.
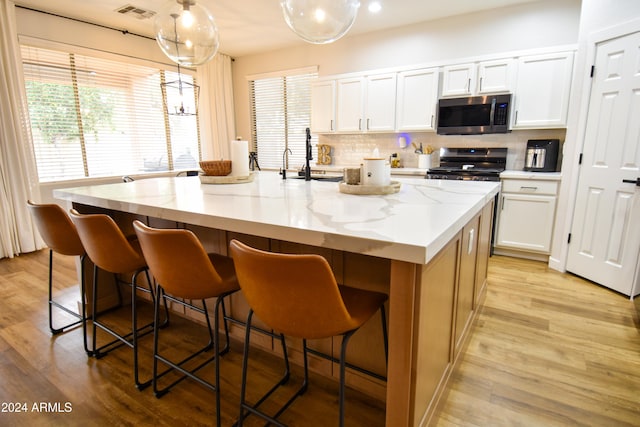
[18,177]
[217,117]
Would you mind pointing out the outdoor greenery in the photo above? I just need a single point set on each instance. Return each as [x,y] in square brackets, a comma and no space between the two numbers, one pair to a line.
[53,111]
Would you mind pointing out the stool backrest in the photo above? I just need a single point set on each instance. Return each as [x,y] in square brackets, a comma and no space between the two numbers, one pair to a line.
[56,228]
[178,261]
[106,244]
[294,294]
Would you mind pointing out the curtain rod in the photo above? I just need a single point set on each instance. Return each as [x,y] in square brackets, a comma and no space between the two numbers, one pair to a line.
[125,32]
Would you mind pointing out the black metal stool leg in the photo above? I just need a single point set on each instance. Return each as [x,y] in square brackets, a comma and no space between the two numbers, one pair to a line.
[343,357]
[134,317]
[51,303]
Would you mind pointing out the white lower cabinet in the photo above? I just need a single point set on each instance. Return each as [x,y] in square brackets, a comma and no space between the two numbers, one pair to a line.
[526,215]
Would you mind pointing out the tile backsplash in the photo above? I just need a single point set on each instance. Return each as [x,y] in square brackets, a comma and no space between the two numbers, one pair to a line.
[349,150]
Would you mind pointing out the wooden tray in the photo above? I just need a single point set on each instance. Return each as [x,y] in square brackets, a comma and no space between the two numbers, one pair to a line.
[210,179]
[360,189]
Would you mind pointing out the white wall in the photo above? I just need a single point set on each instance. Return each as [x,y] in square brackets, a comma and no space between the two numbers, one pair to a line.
[522,27]
[56,29]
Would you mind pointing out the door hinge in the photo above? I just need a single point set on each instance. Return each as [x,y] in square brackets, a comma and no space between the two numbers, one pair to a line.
[569,239]
[593,71]
[580,159]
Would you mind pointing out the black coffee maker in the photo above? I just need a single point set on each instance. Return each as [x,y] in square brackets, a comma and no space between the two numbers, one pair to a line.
[542,155]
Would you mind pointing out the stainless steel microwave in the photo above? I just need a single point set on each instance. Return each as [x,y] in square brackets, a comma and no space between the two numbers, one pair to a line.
[474,115]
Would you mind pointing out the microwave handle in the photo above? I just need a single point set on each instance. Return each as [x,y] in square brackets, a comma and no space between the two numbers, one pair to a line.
[493,112]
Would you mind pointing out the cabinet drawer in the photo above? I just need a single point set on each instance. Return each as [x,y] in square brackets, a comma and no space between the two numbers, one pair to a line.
[528,186]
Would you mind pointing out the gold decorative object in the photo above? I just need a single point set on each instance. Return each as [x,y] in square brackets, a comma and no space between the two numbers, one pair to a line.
[324,154]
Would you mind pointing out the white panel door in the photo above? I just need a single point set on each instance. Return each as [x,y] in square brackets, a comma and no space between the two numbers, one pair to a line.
[605,234]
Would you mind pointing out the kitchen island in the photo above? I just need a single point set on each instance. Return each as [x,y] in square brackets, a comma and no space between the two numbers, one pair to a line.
[426,246]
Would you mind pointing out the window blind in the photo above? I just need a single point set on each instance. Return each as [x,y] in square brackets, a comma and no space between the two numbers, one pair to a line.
[280,113]
[95,117]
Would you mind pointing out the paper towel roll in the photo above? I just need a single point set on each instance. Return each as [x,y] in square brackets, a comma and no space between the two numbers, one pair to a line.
[239,158]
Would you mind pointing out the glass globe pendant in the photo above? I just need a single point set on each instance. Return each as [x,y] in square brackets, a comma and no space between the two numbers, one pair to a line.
[320,21]
[186,32]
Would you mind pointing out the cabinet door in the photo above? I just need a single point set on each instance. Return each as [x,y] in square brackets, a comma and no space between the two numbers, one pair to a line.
[350,105]
[466,280]
[323,106]
[526,222]
[417,99]
[457,80]
[380,103]
[542,91]
[496,76]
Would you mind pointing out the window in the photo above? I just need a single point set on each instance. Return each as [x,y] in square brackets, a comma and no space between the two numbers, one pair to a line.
[280,114]
[94,117]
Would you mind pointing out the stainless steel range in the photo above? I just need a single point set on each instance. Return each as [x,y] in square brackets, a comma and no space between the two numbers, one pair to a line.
[470,164]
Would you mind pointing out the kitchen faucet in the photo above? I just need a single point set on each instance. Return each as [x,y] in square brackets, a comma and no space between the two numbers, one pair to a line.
[283,171]
[309,156]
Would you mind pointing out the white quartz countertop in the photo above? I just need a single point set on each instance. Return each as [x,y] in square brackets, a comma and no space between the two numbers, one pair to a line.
[411,225]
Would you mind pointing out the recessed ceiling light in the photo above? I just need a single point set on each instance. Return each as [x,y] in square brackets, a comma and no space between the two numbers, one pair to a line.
[374,6]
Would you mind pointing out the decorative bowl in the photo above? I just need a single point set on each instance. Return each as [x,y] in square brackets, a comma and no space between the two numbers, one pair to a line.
[216,167]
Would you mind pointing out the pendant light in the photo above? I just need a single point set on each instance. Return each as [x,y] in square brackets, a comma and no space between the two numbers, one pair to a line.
[186,32]
[320,21]
[180,97]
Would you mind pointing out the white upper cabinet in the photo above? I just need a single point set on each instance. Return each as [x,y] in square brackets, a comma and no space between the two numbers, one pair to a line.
[417,99]
[380,103]
[406,100]
[496,76]
[366,104]
[458,80]
[541,98]
[350,104]
[478,78]
[323,106]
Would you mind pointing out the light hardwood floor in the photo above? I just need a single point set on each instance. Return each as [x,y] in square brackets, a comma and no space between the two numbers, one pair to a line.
[547,349]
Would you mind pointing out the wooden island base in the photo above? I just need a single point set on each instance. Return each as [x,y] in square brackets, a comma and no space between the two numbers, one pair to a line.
[430,310]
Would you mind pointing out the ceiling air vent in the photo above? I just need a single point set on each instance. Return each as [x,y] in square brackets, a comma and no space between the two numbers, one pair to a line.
[135,11]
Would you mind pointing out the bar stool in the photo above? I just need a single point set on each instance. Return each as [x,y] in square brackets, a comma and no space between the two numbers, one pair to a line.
[184,271]
[112,252]
[61,236]
[297,295]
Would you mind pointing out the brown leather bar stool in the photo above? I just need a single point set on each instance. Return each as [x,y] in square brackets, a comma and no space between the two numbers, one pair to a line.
[297,295]
[61,236]
[112,252]
[184,271]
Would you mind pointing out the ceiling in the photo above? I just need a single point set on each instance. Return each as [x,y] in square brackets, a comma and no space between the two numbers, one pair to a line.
[253,26]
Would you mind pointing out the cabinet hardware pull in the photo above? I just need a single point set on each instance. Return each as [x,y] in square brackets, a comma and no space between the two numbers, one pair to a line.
[432,121]
[367,124]
[480,90]
[331,125]
[469,85]
[528,188]
[359,124]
